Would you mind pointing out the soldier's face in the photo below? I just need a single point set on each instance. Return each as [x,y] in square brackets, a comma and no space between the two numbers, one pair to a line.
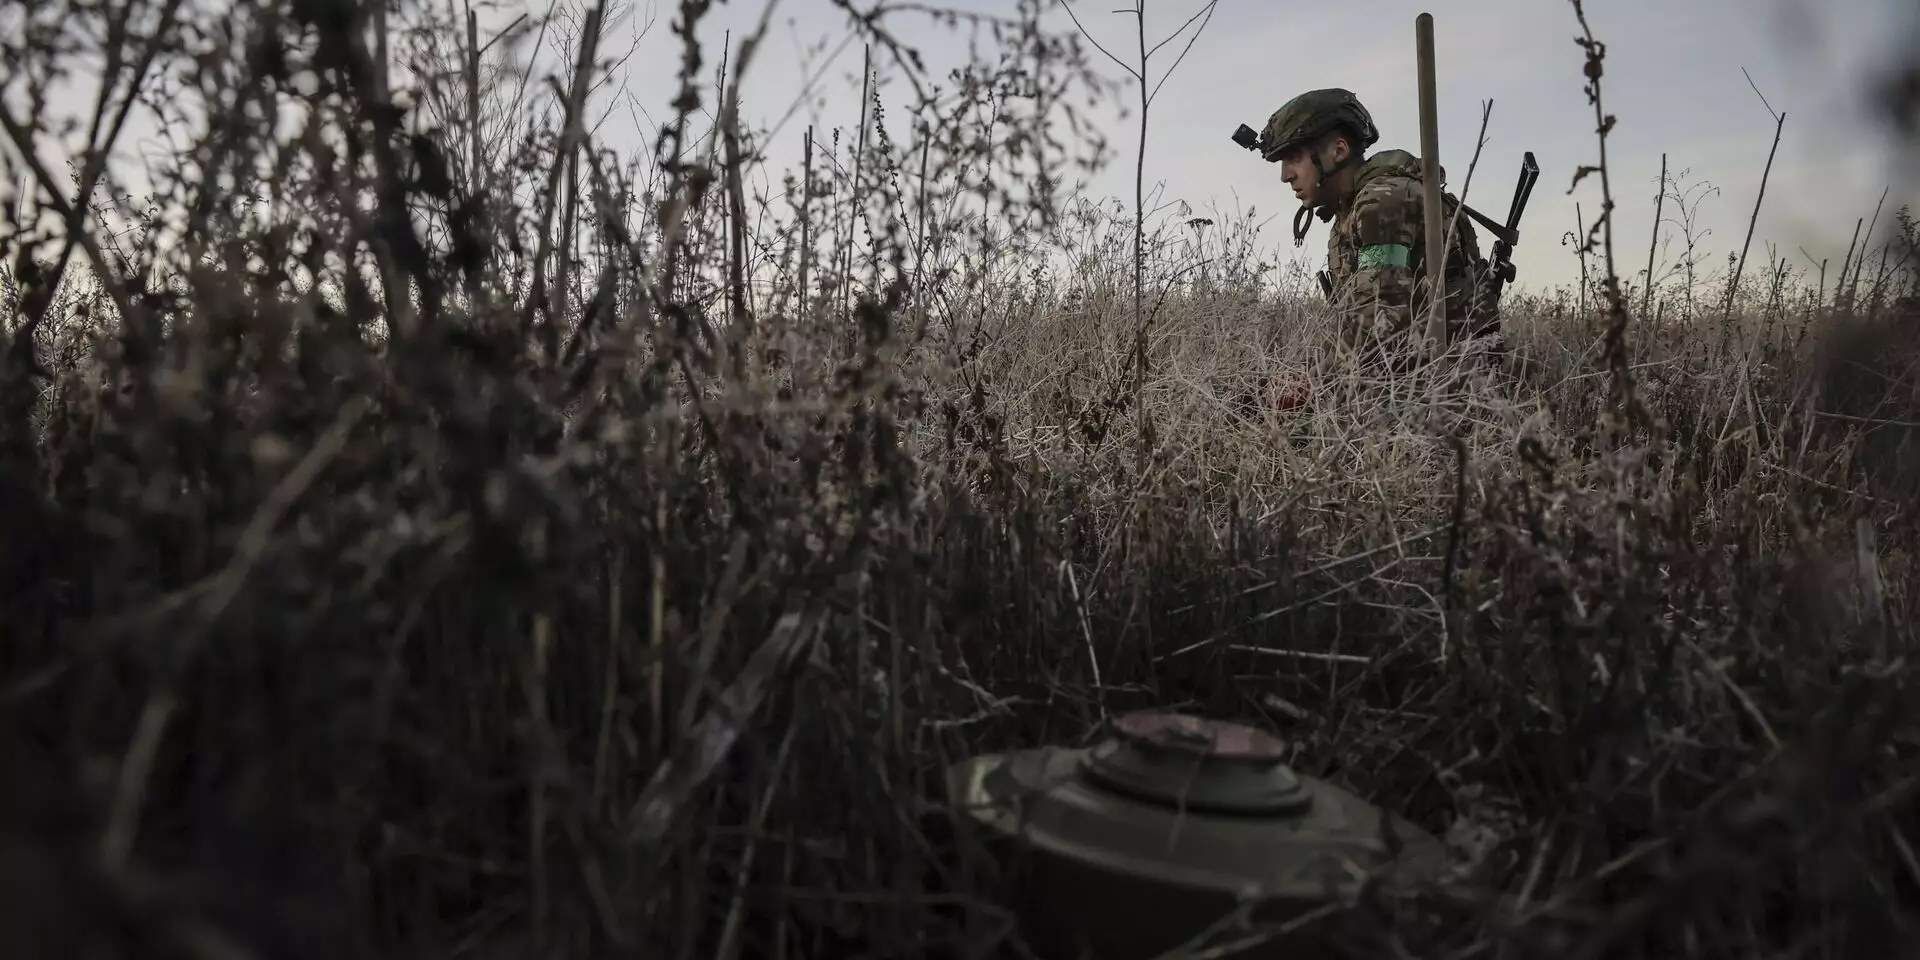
[1299,172]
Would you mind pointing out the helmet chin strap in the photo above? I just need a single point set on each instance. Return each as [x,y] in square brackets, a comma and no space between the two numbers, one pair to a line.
[1303,220]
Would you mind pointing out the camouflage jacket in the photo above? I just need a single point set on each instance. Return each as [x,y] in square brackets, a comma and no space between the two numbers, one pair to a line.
[1376,259]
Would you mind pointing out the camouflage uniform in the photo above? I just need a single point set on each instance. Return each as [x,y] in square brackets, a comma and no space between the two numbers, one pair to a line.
[1376,253]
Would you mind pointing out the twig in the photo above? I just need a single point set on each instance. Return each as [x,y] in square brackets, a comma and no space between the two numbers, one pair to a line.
[1289,608]
[1303,654]
[1733,285]
[1449,611]
[1873,591]
[1866,244]
[1086,632]
[736,911]
[1149,89]
[1399,544]
[705,746]
[1653,244]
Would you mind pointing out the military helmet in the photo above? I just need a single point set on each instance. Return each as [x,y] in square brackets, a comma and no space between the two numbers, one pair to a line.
[1312,115]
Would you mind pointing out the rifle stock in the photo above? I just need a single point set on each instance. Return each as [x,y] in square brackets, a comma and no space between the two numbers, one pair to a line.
[1500,269]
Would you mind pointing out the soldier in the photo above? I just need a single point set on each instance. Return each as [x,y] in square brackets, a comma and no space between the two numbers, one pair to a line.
[1376,254]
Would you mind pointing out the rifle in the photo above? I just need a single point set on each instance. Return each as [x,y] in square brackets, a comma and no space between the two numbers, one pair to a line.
[1500,269]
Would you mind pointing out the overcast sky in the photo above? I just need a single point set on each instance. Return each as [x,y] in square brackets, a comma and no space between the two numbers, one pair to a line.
[1674,79]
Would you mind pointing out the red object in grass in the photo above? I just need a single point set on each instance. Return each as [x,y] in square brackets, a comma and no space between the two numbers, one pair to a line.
[1291,393]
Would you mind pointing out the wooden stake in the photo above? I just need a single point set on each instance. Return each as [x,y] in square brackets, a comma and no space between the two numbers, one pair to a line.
[1436,254]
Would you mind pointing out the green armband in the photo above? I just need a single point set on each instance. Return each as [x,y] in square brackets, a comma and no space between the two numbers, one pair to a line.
[1385,255]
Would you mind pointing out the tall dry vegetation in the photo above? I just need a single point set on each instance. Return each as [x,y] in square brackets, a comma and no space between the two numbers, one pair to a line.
[429,532]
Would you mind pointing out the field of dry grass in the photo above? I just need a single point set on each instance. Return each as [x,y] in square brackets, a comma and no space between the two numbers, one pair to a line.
[446,538]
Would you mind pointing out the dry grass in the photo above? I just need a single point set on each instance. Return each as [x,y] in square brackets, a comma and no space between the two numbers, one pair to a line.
[589,567]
